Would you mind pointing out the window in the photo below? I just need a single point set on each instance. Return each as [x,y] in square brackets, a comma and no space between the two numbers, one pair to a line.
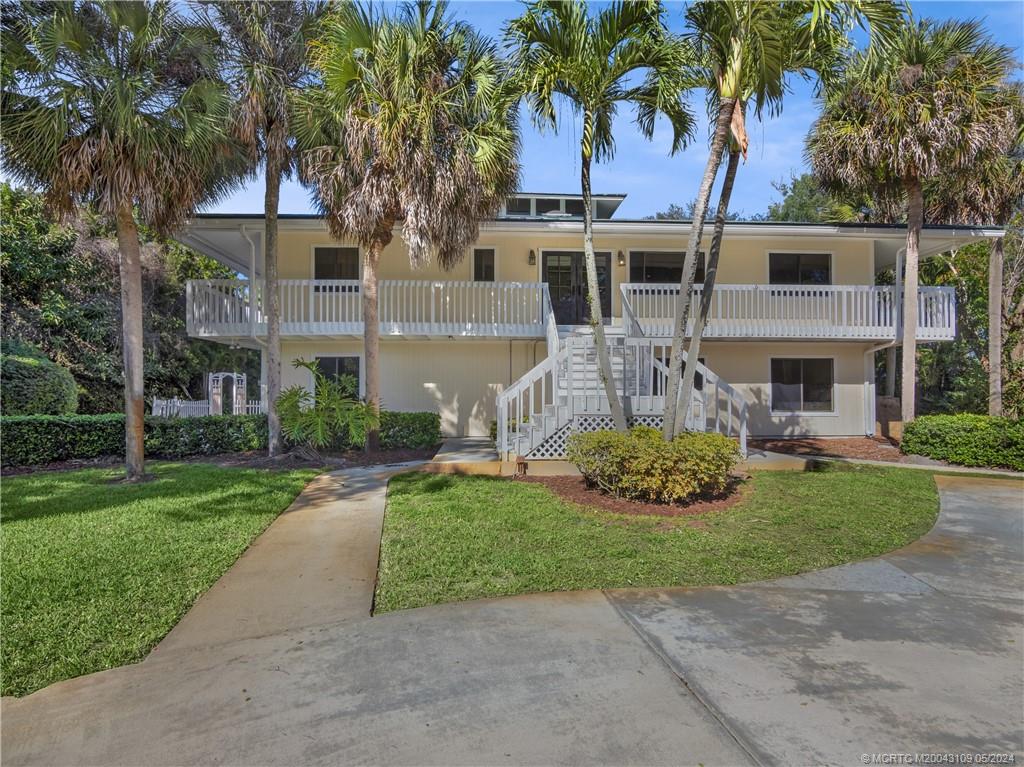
[335,263]
[517,206]
[799,269]
[574,208]
[483,264]
[655,266]
[549,206]
[339,367]
[802,385]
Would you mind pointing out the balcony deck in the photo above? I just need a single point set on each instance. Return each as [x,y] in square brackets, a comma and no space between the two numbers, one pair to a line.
[234,310]
[413,308]
[825,312]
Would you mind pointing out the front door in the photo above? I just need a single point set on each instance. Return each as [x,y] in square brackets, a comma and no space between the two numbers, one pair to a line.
[565,272]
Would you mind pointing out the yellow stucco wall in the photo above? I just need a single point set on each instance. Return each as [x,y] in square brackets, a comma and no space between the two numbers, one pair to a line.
[459,379]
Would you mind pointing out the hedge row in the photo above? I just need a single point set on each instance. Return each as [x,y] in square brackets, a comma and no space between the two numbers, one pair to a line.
[42,439]
[968,440]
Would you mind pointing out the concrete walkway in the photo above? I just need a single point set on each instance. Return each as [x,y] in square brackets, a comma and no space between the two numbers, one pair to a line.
[316,563]
[917,651]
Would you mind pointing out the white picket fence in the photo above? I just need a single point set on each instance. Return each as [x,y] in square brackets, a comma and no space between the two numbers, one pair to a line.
[193,408]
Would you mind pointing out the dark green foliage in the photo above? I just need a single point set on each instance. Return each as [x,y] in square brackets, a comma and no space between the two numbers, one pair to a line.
[411,430]
[62,294]
[968,440]
[331,413]
[42,439]
[33,384]
[639,465]
[37,440]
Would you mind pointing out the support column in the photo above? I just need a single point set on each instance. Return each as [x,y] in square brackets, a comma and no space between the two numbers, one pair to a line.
[890,372]
[869,393]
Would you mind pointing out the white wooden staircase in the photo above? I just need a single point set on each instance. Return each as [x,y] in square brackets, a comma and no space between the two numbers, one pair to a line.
[564,394]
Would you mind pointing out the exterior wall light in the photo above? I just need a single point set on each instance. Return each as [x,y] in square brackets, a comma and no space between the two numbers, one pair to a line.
[622,259]
[532,260]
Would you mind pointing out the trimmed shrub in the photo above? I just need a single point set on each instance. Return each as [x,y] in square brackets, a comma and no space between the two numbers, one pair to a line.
[411,430]
[33,384]
[968,440]
[34,440]
[208,435]
[641,466]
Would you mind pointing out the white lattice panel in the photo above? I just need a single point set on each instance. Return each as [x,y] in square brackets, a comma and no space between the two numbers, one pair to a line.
[554,446]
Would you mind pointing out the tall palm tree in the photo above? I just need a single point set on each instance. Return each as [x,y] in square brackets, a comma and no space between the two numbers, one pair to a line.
[265,61]
[623,55]
[745,52]
[117,105]
[747,48]
[416,127]
[933,103]
[990,192]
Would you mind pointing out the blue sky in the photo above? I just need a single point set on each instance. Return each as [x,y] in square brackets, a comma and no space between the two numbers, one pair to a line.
[643,169]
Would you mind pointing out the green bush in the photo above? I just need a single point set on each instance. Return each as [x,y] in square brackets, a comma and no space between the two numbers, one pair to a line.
[33,384]
[968,440]
[409,430]
[34,440]
[641,466]
[42,439]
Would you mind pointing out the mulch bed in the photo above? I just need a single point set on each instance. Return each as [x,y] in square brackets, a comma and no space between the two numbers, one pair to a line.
[251,460]
[575,490]
[865,448]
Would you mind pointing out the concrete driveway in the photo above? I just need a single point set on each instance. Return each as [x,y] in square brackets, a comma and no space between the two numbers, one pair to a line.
[918,651]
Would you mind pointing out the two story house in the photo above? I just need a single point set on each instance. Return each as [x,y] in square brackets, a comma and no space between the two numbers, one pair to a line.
[796,319]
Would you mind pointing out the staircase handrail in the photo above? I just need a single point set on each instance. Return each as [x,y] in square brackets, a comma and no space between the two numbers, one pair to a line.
[514,392]
[733,395]
[633,327]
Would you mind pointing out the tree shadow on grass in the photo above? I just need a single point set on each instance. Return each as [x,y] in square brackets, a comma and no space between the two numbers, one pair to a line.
[184,492]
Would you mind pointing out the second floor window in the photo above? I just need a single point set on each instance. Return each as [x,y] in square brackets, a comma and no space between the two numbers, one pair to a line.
[661,267]
[336,263]
[799,268]
[483,264]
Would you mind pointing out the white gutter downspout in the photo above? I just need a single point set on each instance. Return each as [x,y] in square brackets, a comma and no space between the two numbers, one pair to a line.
[869,355]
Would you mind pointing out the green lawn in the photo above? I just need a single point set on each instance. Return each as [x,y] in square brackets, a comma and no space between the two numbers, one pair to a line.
[95,573]
[454,538]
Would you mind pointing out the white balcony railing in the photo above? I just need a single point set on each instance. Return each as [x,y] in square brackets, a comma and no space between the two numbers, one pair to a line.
[790,311]
[405,307]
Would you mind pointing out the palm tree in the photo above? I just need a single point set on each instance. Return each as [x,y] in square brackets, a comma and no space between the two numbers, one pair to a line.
[117,105]
[933,103]
[415,126]
[265,63]
[623,55]
[746,50]
[990,192]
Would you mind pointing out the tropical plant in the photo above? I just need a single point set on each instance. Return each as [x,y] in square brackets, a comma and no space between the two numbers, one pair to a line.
[62,294]
[934,102]
[117,104]
[265,63]
[990,191]
[746,50]
[415,126]
[327,415]
[622,55]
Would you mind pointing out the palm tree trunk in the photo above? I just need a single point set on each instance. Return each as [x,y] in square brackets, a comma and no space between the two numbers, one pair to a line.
[371,326]
[272,299]
[710,272]
[682,309]
[130,263]
[604,364]
[915,222]
[995,329]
